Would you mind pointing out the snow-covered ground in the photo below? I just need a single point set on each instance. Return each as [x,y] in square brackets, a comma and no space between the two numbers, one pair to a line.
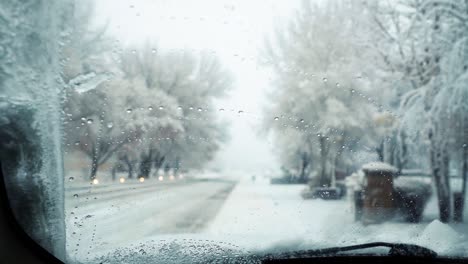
[276,216]
[252,216]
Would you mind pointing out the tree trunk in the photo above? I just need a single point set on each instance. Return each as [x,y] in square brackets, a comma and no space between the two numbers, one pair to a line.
[324,179]
[129,166]
[177,165]
[114,173]
[439,166]
[130,170]
[380,151]
[167,168]
[94,164]
[333,171]
[402,153]
[304,167]
[146,164]
[464,176]
[158,162]
[94,169]
[389,150]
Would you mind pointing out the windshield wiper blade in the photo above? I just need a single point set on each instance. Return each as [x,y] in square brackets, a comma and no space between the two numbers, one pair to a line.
[396,249]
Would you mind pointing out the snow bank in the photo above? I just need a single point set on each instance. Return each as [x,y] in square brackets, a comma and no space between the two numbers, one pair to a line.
[355,181]
[379,166]
[441,238]
[410,186]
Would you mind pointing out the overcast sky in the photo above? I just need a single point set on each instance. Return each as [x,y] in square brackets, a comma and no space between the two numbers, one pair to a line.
[235,30]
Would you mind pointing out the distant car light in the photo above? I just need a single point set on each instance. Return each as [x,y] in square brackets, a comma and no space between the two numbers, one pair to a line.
[122,180]
[141,179]
[95,181]
[161,178]
[171,177]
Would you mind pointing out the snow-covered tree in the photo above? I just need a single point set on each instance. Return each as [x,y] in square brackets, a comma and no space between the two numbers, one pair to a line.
[321,92]
[445,95]
[87,60]
[428,40]
[88,49]
[179,89]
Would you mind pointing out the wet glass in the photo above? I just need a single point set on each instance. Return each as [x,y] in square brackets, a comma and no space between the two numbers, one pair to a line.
[182,130]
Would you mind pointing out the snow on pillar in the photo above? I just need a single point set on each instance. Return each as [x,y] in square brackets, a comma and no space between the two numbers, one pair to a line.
[378,203]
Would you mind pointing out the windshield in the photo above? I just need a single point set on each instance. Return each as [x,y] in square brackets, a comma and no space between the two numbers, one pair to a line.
[167,130]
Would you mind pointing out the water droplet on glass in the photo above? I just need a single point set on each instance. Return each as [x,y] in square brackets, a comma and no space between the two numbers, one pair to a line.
[161,107]
[179,107]
[337,84]
[353,91]
[464,145]
[325,79]
[129,110]
[153,51]
[199,109]
[221,109]
[276,118]
[240,112]
[75,195]
[77,143]
[89,121]
[110,125]
[150,108]
[71,179]
[302,121]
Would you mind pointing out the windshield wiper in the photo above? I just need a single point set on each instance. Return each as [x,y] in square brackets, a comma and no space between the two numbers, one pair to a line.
[396,249]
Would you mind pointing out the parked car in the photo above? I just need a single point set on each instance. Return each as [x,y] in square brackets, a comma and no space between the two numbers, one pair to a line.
[325,193]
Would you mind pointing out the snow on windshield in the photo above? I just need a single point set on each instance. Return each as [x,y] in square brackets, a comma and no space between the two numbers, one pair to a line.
[240,126]
[31,37]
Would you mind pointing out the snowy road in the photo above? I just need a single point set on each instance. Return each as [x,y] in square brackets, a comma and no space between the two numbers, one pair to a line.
[245,215]
[102,217]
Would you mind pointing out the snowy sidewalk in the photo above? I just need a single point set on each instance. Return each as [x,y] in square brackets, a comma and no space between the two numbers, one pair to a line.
[258,215]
